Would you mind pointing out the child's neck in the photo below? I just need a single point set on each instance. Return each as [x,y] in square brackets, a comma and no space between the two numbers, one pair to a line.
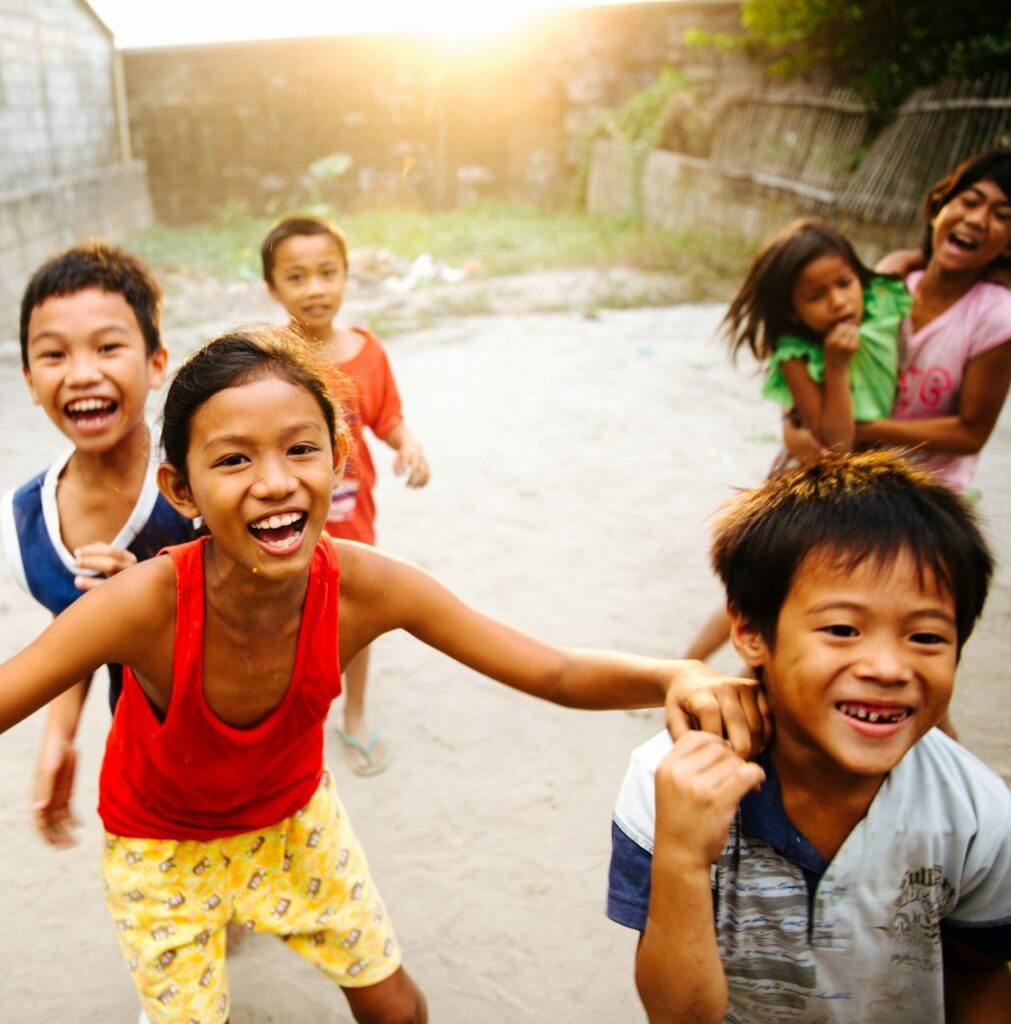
[821,799]
[938,291]
[246,604]
[341,344]
[97,491]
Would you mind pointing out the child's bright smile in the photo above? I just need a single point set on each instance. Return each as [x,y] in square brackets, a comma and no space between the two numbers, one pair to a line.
[973,229]
[863,664]
[91,415]
[279,533]
[261,472]
[88,366]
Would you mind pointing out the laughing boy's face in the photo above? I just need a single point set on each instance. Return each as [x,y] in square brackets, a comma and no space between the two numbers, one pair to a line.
[863,664]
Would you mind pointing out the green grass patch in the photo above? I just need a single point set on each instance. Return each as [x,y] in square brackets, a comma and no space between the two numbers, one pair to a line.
[503,238]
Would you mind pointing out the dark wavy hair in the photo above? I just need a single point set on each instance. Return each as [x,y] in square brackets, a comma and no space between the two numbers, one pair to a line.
[762,311]
[231,360]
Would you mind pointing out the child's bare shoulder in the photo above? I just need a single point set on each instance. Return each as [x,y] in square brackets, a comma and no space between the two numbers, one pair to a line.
[146,590]
[363,567]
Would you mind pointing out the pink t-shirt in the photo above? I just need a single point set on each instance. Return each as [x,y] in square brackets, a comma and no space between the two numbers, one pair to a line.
[934,360]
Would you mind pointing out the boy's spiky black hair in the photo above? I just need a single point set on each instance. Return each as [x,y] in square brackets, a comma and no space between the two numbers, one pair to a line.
[850,508]
[96,264]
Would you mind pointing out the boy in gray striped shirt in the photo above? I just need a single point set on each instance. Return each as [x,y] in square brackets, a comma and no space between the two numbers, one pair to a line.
[861,870]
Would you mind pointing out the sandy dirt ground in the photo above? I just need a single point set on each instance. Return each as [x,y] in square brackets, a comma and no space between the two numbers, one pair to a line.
[577,457]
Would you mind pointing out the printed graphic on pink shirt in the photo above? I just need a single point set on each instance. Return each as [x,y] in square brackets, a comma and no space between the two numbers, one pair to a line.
[924,389]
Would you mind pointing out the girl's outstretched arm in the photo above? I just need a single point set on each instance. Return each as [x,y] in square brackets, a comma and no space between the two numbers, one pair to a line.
[118,622]
[984,389]
[380,593]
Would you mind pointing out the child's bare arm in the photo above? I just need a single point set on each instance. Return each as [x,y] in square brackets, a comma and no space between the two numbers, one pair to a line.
[121,622]
[380,593]
[901,262]
[977,988]
[799,441]
[827,409]
[53,785]
[410,458]
[984,389]
[677,966]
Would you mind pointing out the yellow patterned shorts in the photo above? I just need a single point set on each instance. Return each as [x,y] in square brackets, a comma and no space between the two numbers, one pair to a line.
[304,879]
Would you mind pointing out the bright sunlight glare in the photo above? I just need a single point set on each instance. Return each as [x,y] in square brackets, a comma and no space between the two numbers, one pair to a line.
[199,21]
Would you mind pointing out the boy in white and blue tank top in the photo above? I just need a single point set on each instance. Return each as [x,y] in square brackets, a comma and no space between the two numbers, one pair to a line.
[91,352]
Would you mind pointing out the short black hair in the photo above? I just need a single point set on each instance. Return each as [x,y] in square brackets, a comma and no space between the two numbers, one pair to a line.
[97,264]
[290,227]
[236,358]
[867,506]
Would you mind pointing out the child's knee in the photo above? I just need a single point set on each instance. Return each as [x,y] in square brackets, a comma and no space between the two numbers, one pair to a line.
[397,1000]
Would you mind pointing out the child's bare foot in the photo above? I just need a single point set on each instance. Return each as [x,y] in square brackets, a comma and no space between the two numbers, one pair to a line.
[364,749]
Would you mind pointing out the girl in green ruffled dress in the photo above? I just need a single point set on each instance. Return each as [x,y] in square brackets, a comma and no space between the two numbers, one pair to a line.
[826,327]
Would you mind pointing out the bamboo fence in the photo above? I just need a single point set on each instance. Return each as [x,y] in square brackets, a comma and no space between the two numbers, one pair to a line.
[934,131]
[809,144]
[796,140]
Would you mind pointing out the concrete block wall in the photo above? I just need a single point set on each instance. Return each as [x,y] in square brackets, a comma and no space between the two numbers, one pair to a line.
[681,192]
[35,223]
[57,99]
[422,121]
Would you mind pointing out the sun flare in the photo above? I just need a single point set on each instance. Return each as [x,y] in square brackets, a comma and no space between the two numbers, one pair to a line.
[195,21]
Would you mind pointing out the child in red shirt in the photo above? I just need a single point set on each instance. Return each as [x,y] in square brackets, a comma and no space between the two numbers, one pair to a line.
[305,266]
[215,799]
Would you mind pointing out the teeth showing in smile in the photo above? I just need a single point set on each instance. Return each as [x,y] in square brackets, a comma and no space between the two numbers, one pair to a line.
[276,522]
[86,405]
[864,714]
[279,533]
[962,242]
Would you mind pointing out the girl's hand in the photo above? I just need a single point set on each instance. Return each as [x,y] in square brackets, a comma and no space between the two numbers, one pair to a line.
[800,442]
[52,790]
[840,345]
[411,460]
[698,787]
[733,709]
[101,558]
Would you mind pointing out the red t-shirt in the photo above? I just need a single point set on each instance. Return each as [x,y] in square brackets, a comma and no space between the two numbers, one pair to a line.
[374,403]
[192,776]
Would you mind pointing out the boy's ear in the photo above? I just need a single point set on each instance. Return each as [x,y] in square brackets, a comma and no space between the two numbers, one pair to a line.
[27,374]
[158,364]
[177,491]
[747,639]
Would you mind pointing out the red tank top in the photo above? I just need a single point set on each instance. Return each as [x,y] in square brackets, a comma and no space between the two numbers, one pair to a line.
[192,776]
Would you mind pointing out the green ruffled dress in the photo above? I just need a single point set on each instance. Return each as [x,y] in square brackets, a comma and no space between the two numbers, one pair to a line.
[874,368]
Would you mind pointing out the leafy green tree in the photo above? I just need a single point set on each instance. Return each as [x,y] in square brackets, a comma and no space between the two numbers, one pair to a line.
[884,49]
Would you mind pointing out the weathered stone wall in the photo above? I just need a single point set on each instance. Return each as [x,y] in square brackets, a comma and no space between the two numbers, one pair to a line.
[57,92]
[65,171]
[108,202]
[678,192]
[423,121]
